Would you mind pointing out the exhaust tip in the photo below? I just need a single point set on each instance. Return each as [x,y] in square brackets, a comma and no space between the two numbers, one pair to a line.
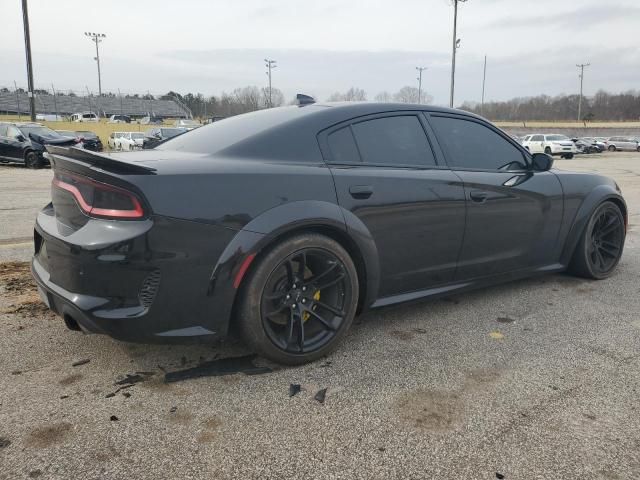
[71,324]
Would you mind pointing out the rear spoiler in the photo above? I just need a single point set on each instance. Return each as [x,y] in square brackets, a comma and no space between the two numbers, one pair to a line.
[95,159]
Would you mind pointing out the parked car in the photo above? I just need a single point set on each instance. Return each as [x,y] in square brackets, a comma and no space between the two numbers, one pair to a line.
[551,144]
[128,141]
[594,141]
[48,117]
[111,142]
[84,139]
[150,120]
[585,147]
[157,135]
[85,117]
[622,143]
[25,143]
[186,123]
[285,223]
[119,119]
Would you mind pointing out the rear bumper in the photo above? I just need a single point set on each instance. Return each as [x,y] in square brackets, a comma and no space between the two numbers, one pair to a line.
[144,282]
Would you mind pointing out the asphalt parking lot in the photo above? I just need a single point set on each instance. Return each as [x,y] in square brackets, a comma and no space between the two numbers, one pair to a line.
[536,379]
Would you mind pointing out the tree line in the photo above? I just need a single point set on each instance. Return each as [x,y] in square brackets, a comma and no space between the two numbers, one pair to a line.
[603,106]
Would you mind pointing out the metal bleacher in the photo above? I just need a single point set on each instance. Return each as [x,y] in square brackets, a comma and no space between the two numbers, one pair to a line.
[105,106]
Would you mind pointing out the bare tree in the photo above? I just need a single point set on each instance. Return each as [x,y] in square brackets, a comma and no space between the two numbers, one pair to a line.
[385,97]
[406,94]
[277,97]
[354,94]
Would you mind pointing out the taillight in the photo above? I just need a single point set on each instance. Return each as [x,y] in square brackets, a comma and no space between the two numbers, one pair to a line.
[99,199]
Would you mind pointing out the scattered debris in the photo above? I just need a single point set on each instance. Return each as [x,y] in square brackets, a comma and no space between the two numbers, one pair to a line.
[320,396]
[326,364]
[382,449]
[136,378]
[16,372]
[84,361]
[505,320]
[496,335]
[113,418]
[419,330]
[35,473]
[294,388]
[126,394]
[113,394]
[499,476]
[216,368]
[62,397]
[173,409]
[4,442]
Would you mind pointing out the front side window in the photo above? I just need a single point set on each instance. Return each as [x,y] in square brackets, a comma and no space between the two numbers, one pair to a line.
[3,130]
[472,145]
[397,140]
[13,132]
[537,138]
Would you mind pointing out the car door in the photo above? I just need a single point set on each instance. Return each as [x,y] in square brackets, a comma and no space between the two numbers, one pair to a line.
[513,213]
[387,176]
[3,140]
[536,144]
[14,145]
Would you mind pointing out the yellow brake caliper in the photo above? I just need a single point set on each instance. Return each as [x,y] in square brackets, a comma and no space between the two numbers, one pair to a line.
[306,315]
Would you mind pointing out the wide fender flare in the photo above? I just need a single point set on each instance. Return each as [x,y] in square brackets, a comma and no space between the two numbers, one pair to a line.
[599,194]
[268,227]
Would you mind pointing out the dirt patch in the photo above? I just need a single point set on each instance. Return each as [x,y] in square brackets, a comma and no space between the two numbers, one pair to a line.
[209,434]
[434,411]
[43,437]
[181,417]
[19,288]
[401,335]
[71,379]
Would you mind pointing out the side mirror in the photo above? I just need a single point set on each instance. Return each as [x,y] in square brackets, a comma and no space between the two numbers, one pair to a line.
[541,162]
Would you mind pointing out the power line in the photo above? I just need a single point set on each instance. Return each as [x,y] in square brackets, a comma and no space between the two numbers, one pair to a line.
[270,64]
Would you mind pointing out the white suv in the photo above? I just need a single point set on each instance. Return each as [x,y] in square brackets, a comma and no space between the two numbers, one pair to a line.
[128,140]
[553,144]
[85,117]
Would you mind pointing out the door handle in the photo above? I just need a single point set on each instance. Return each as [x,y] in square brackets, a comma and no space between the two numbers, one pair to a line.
[479,197]
[361,192]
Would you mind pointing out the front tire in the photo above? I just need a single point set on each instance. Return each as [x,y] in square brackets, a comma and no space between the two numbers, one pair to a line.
[33,160]
[299,300]
[547,150]
[612,148]
[601,243]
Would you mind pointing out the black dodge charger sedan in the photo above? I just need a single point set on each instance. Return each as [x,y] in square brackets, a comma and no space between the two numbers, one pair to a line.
[24,142]
[283,224]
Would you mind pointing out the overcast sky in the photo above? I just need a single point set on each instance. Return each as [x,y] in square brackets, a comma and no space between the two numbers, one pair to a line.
[210,46]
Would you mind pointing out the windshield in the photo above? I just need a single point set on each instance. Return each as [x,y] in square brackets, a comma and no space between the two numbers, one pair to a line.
[40,130]
[557,138]
[172,132]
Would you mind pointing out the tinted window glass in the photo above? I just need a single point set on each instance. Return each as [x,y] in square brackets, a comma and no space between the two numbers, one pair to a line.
[393,140]
[3,130]
[537,138]
[472,145]
[343,146]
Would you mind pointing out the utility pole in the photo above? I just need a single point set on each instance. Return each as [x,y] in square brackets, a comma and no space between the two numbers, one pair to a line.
[581,67]
[484,79]
[17,100]
[27,47]
[97,38]
[55,101]
[420,69]
[456,45]
[270,64]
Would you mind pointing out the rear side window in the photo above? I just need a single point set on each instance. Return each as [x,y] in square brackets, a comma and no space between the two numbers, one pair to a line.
[472,145]
[537,138]
[343,146]
[397,140]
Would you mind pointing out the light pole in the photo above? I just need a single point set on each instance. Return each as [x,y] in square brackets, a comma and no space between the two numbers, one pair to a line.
[581,67]
[456,45]
[270,64]
[484,79]
[420,69]
[27,47]
[97,38]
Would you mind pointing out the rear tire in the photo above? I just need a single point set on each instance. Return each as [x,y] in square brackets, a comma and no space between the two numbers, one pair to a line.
[601,243]
[612,148]
[33,160]
[547,150]
[299,300]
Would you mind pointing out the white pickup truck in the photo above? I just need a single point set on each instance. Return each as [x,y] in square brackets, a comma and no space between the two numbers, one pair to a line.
[552,144]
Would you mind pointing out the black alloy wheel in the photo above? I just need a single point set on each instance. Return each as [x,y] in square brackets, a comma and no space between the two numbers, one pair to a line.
[612,148]
[32,160]
[600,248]
[300,300]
